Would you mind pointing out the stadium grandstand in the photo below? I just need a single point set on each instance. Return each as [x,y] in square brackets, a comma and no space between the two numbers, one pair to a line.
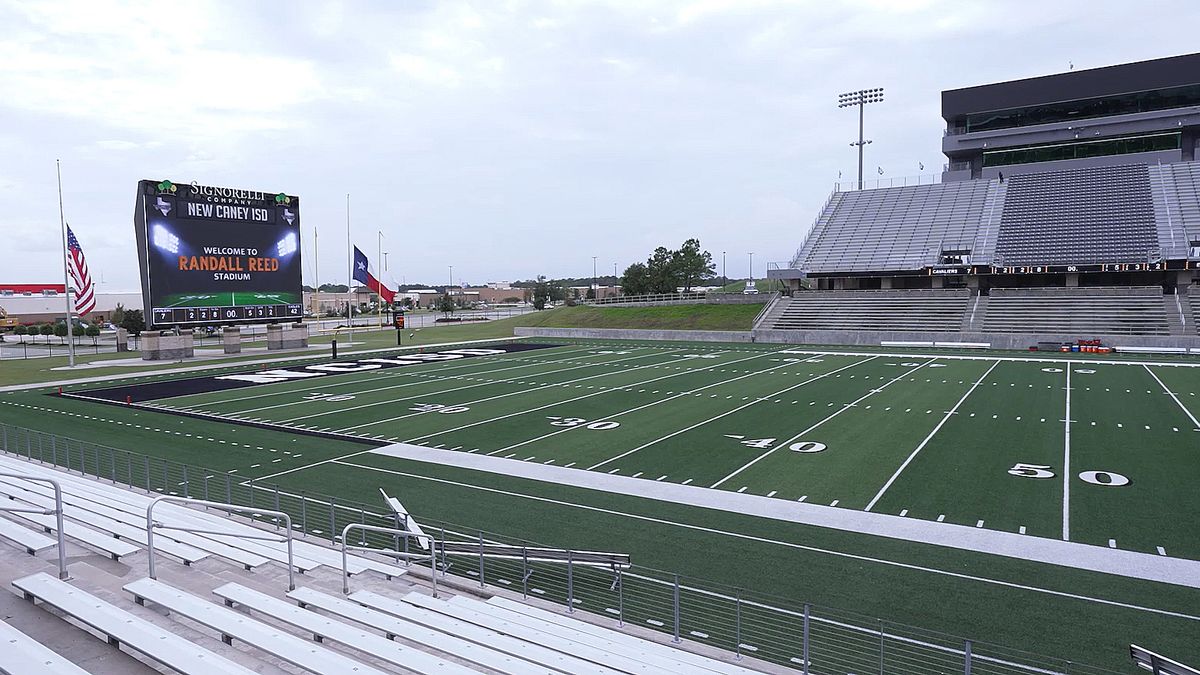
[1069,209]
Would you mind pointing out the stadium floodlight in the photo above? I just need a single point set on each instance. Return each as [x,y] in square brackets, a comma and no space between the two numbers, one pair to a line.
[165,241]
[287,245]
[860,98]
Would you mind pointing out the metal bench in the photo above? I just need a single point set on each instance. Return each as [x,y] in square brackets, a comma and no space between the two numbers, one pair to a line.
[236,626]
[23,654]
[612,658]
[121,627]
[683,657]
[32,542]
[467,641]
[323,628]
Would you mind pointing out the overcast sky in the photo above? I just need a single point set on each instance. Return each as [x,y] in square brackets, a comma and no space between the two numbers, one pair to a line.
[505,138]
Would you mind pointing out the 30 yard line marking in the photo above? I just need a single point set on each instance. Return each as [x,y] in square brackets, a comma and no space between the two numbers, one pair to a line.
[1195,423]
[653,403]
[841,410]
[888,484]
[1066,500]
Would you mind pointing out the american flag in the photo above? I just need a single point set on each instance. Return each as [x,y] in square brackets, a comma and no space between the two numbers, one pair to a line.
[81,279]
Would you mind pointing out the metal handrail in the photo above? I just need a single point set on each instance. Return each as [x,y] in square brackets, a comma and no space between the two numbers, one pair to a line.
[1157,663]
[57,511]
[431,556]
[183,501]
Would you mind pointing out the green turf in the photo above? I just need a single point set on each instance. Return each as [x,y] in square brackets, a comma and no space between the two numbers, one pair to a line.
[677,412]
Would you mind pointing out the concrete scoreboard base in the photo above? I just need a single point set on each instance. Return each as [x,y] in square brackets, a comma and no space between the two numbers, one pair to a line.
[231,340]
[162,346]
[294,336]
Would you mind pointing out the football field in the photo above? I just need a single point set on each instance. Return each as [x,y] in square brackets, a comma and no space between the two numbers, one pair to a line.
[1098,453]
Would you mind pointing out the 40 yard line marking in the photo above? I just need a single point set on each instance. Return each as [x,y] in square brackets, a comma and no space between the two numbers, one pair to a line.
[841,410]
[888,484]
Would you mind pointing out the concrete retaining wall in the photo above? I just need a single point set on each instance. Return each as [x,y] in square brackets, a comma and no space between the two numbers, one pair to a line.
[1019,341]
[164,346]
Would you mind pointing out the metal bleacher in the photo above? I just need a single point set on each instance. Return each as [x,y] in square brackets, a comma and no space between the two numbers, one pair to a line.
[901,228]
[1126,310]
[1077,216]
[887,310]
[220,607]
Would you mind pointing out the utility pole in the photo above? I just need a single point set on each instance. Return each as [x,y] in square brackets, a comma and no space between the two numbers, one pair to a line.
[750,283]
[595,289]
[860,98]
[724,278]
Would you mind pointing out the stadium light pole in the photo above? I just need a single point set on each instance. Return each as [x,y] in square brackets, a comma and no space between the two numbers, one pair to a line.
[860,98]
[724,278]
[750,282]
[595,287]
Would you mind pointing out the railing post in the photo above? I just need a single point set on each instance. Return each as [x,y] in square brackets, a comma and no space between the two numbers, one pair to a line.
[804,655]
[481,584]
[277,504]
[676,602]
[881,647]
[303,514]
[524,573]
[620,598]
[53,451]
[443,540]
[228,489]
[966,657]
[332,522]
[570,582]
[406,560]
[147,457]
[737,638]
[186,485]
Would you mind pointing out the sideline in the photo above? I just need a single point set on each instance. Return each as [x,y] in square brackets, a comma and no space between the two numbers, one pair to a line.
[1130,564]
[250,362]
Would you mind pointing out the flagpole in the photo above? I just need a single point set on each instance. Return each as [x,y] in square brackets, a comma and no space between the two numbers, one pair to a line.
[378,260]
[316,280]
[349,270]
[62,220]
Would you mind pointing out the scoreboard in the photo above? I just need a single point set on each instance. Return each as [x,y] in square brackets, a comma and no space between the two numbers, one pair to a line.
[217,256]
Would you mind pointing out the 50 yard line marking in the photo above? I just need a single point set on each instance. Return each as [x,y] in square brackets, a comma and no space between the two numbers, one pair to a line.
[1066,502]
[928,438]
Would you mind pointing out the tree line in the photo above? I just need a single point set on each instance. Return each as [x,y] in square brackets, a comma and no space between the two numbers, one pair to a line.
[666,270]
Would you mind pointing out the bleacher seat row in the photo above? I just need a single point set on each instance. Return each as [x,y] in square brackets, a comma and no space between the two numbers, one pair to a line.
[224,611]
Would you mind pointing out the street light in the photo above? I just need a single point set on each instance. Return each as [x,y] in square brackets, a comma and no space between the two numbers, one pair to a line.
[595,289]
[860,98]
[724,277]
[750,283]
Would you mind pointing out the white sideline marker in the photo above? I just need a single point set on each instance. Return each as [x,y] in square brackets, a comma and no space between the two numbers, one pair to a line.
[1021,530]
[903,512]
[941,518]
[1161,550]
[1112,543]
[979,524]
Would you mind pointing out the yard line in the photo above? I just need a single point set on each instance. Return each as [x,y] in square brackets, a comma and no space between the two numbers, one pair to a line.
[725,414]
[518,380]
[928,438]
[1066,501]
[1195,423]
[776,542]
[435,376]
[663,400]
[841,410]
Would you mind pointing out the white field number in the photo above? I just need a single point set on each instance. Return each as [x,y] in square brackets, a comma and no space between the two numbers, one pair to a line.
[798,446]
[1105,478]
[439,408]
[319,396]
[580,422]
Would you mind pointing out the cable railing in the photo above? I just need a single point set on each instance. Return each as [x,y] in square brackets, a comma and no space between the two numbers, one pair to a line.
[787,632]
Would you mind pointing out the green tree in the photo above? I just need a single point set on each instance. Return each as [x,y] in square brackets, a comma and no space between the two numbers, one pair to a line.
[636,280]
[46,330]
[92,331]
[446,304]
[21,330]
[60,331]
[133,321]
[691,264]
[661,271]
[118,315]
[541,293]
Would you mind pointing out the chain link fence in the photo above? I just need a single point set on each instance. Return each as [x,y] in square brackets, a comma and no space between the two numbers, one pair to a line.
[806,637]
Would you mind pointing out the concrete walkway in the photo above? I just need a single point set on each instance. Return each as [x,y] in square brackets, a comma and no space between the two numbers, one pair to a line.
[1038,549]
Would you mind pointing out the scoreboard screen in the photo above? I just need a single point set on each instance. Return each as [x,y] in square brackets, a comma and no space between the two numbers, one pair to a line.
[217,256]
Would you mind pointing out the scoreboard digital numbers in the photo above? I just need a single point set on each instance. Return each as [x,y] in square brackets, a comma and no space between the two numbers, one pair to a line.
[217,256]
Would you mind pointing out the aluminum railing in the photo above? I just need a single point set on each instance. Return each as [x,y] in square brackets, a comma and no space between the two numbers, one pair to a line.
[151,525]
[57,512]
[403,555]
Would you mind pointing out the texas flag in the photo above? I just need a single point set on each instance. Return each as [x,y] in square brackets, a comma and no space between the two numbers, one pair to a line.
[364,275]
